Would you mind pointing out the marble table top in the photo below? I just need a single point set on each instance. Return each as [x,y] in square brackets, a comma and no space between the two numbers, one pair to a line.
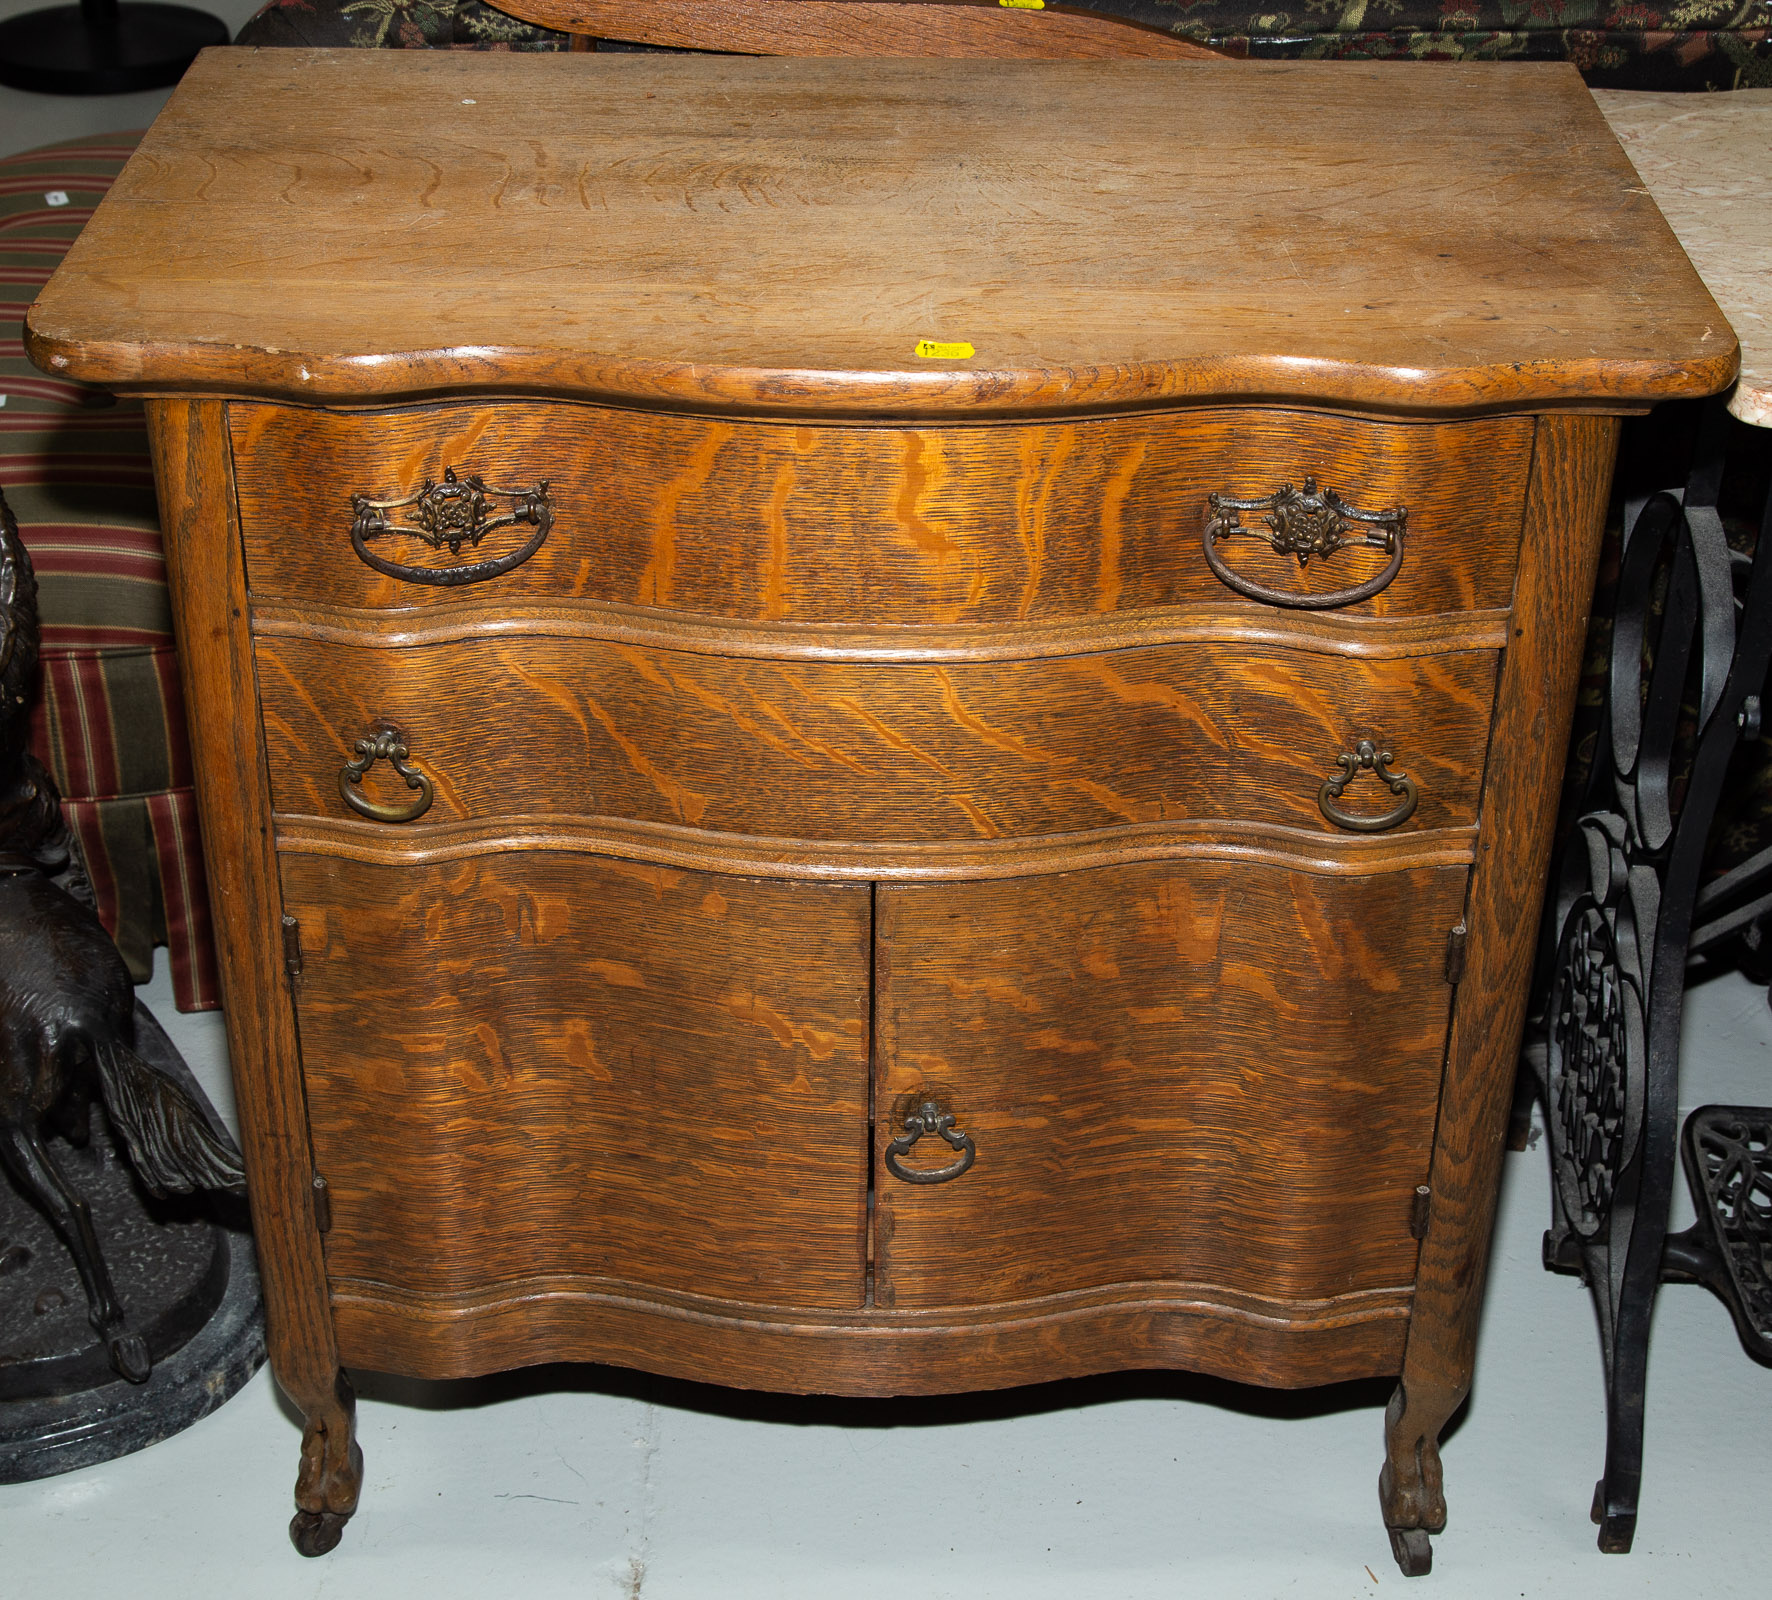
[1707,160]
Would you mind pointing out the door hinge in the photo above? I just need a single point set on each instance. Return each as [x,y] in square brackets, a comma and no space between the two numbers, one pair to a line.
[1455,942]
[322,1205]
[292,948]
[1418,1209]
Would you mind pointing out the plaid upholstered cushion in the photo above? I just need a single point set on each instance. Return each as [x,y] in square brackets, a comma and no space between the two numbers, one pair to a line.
[109,721]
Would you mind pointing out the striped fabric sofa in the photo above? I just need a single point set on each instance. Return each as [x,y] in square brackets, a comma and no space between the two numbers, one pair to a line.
[109,718]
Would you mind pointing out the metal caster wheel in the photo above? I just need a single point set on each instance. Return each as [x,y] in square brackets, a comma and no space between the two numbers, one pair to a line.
[315,1532]
[1414,1551]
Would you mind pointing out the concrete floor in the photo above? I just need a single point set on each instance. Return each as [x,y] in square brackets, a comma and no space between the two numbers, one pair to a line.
[590,1482]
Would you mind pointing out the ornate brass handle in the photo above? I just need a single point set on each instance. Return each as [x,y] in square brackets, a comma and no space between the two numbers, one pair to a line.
[930,1118]
[1306,523]
[1367,757]
[454,512]
[385,744]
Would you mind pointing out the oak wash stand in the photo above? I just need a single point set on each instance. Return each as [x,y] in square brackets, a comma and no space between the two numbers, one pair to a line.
[878,727]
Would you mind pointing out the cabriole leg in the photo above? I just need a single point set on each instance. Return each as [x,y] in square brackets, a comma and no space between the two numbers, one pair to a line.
[1411,1491]
[331,1473]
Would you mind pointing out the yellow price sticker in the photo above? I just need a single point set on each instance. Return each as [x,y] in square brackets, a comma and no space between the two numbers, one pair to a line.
[944,349]
[1023,5]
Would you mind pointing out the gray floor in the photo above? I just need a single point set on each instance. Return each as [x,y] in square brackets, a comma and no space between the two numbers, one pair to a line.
[592,1482]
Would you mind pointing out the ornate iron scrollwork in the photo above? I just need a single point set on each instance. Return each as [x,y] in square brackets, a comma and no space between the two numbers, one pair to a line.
[1689,654]
[1593,1065]
[385,744]
[455,512]
[1728,1158]
[930,1118]
[1305,523]
[1367,757]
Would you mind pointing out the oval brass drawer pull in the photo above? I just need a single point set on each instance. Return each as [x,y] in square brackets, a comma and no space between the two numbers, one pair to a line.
[454,512]
[930,1118]
[385,744]
[1306,523]
[1367,757]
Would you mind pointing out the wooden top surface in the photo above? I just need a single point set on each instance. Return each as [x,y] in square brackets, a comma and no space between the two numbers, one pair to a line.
[778,235]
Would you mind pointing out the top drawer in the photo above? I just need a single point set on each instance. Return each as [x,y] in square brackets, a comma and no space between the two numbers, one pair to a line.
[879,525]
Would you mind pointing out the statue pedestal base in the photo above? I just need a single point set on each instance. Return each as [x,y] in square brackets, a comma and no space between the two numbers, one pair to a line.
[190,1284]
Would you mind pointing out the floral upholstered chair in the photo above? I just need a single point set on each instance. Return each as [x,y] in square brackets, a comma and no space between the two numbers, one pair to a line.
[1620,44]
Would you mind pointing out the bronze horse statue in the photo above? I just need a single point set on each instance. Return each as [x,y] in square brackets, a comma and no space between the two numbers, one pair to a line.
[67,1007]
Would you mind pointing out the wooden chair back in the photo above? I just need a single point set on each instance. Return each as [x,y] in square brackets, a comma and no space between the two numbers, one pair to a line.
[982,29]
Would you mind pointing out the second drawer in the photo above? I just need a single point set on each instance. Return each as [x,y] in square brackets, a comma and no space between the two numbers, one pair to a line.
[871,751]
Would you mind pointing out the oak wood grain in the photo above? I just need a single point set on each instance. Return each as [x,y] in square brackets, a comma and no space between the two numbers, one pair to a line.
[868,724]
[908,751]
[547,1062]
[844,860]
[1320,632]
[205,572]
[779,235]
[1195,1071]
[974,29]
[1533,712]
[875,1352]
[771,521]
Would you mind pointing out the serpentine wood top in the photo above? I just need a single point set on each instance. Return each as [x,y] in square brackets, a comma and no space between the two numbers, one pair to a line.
[778,235]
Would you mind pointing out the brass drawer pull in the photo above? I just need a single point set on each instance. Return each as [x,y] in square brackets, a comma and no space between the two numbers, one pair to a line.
[930,1118]
[1306,523]
[1367,757]
[385,744]
[453,512]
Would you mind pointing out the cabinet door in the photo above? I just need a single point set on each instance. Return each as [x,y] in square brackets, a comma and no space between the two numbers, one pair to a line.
[529,1070]
[1210,1075]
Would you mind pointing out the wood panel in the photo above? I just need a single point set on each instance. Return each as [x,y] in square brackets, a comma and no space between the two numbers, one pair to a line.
[1191,1071]
[842,861]
[974,29]
[1324,632]
[833,750]
[875,1352]
[208,584]
[781,235]
[888,525]
[547,1063]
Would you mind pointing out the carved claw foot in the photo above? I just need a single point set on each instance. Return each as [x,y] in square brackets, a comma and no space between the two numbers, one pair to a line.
[1414,1551]
[1411,1493]
[331,1475]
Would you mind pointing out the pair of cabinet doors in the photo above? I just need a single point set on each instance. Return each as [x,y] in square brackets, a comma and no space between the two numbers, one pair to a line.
[548,1067]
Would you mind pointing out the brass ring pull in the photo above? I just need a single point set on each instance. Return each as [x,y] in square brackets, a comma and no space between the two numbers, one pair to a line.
[1306,523]
[930,1118]
[385,744]
[454,512]
[1367,757]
